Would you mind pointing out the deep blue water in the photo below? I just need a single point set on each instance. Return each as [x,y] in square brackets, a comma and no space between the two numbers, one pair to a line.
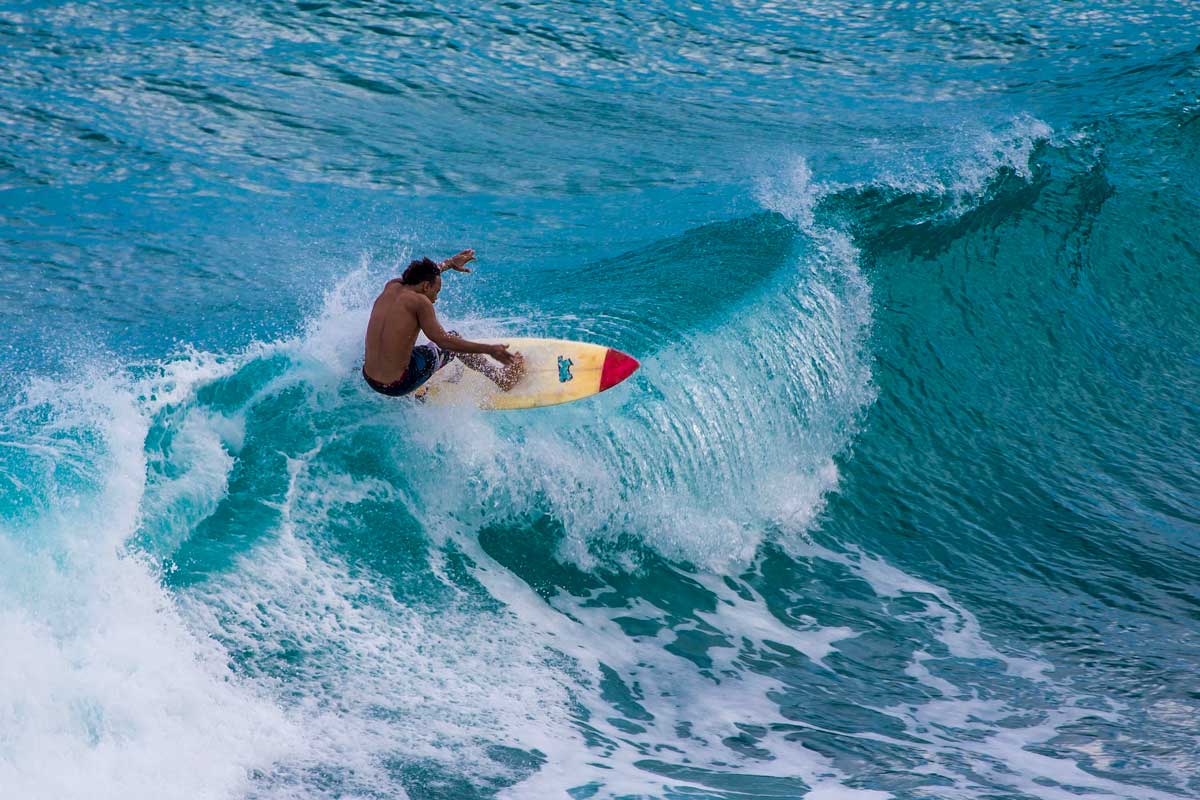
[903,503]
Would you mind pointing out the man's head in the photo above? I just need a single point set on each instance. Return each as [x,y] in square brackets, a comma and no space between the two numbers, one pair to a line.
[424,276]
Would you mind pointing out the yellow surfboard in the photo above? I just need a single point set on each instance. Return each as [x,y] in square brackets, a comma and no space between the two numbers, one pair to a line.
[556,371]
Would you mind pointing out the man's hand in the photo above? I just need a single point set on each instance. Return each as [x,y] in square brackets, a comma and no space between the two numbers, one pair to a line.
[459,262]
[501,354]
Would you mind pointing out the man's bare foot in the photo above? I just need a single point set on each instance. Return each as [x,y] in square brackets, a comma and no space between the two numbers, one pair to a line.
[511,375]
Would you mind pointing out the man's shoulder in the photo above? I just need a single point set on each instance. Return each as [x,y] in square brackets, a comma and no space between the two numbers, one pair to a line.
[416,300]
[414,303]
[398,293]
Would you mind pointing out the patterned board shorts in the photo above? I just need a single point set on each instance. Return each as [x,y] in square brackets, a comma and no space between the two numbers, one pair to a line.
[425,360]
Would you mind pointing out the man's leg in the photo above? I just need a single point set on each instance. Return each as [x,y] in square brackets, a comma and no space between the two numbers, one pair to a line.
[504,377]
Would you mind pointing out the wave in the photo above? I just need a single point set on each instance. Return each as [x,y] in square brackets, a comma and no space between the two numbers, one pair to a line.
[763,583]
[109,688]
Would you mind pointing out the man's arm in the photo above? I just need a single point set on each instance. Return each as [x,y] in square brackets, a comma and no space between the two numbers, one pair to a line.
[427,317]
[459,262]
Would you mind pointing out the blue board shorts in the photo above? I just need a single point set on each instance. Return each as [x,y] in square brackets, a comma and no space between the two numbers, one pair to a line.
[425,360]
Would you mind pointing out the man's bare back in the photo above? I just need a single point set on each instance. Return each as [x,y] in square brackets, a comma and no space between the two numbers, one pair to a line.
[394,365]
[392,331]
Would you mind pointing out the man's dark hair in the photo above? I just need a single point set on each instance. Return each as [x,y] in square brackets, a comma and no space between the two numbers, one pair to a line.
[419,271]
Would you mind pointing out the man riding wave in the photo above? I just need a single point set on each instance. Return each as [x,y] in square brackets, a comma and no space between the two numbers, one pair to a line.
[395,365]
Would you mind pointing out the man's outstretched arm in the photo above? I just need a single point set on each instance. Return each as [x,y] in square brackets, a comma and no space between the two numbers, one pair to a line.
[456,344]
[459,262]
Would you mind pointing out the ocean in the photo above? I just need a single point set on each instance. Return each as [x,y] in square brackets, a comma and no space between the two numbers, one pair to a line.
[903,504]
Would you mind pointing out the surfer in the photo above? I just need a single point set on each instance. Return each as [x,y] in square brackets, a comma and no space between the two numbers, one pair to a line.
[395,365]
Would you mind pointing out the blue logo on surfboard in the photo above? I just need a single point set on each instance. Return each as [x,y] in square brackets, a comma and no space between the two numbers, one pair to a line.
[564,369]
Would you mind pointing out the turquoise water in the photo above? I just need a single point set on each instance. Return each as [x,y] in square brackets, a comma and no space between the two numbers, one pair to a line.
[903,503]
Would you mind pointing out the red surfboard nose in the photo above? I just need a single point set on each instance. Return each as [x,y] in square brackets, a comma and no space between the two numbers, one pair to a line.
[617,367]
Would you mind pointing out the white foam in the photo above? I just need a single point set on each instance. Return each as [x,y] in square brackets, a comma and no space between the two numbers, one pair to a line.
[978,156]
[969,729]
[106,691]
[375,680]
[176,500]
[711,704]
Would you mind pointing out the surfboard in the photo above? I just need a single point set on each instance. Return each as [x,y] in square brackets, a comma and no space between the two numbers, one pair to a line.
[556,371]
